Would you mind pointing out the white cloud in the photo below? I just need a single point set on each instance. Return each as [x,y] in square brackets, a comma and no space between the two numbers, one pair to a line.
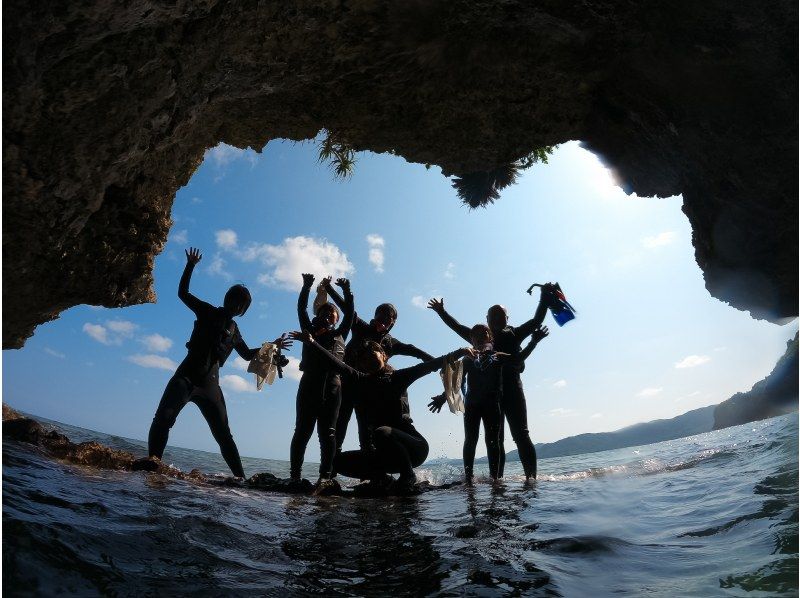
[226,239]
[596,416]
[97,332]
[224,154]
[240,364]
[54,353]
[179,236]
[419,301]
[156,342]
[659,240]
[296,255]
[235,383]
[217,267]
[122,328]
[197,200]
[158,362]
[559,384]
[562,412]
[450,271]
[292,369]
[376,246]
[649,392]
[692,361]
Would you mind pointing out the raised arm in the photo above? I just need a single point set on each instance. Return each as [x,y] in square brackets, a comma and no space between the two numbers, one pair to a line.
[538,317]
[398,348]
[437,305]
[302,302]
[348,309]
[407,376]
[538,335]
[334,362]
[341,303]
[193,256]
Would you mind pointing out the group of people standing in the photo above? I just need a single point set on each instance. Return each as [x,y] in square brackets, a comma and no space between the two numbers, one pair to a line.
[341,378]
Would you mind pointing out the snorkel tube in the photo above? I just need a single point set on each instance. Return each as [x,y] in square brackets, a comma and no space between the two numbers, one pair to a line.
[556,302]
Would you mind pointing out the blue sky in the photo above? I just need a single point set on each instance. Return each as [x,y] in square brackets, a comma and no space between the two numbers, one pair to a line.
[649,342]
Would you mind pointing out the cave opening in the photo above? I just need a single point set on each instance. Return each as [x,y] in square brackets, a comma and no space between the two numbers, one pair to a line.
[649,341]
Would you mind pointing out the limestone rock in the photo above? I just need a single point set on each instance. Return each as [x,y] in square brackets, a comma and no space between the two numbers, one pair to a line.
[108,108]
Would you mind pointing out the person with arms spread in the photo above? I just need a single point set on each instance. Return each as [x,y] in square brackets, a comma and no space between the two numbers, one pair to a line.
[377,330]
[214,337]
[390,442]
[507,339]
[484,389]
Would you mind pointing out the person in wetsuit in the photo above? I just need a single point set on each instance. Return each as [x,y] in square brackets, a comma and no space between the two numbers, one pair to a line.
[507,339]
[214,337]
[377,330]
[391,443]
[484,389]
[319,393]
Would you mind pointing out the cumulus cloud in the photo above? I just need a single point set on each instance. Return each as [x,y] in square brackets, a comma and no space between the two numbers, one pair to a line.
[692,361]
[234,383]
[559,384]
[659,240]
[292,369]
[376,246]
[240,364]
[450,271]
[419,301]
[158,362]
[217,267]
[54,353]
[223,155]
[113,333]
[226,239]
[156,343]
[179,236]
[295,255]
[649,392]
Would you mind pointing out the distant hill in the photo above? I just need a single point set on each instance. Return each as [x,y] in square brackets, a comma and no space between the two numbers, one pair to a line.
[774,395]
[690,423]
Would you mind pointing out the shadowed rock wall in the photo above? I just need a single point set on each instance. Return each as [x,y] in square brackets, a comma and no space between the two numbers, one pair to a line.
[108,108]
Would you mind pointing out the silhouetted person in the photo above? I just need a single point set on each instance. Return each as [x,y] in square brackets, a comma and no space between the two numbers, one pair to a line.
[377,330]
[196,380]
[507,339]
[482,385]
[390,443]
[319,393]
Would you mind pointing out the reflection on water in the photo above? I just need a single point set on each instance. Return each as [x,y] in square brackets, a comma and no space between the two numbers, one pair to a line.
[707,515]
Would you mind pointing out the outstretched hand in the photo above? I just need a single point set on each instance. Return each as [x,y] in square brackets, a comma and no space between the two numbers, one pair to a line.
[193,255]
[303,336]
[540,333]
[437,403]
[325,283]
[437,305]
[283,342]
[343,283]
[308,280]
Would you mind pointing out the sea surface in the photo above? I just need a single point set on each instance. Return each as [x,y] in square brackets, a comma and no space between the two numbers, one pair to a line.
[710,515]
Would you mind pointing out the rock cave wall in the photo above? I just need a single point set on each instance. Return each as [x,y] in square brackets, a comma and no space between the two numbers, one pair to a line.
[108,108]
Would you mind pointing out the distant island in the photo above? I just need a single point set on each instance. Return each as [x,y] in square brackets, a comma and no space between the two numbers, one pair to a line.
[776,394]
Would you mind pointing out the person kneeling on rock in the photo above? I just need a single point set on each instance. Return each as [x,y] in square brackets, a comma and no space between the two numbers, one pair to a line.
[391,443]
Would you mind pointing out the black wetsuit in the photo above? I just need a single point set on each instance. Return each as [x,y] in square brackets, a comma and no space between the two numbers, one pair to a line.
[484,387]
[391,443]
[363,331]
[512,402]
[319,393]
[196,380]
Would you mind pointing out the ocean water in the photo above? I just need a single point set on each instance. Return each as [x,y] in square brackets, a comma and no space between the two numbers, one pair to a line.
[710,515]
